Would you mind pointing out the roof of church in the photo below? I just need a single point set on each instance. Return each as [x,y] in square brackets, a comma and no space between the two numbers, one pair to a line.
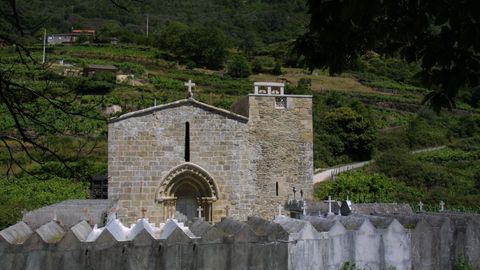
[179,103]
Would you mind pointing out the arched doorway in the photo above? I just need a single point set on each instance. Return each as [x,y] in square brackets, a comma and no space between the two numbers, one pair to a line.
[186,189]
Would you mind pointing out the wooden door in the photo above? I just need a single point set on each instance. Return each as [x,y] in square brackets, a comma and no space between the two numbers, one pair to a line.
[186,208]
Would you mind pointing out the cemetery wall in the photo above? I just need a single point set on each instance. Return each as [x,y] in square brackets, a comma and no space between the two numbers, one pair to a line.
[421,241]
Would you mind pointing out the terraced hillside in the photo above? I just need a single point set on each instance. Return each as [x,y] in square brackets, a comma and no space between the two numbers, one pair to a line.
[359,115]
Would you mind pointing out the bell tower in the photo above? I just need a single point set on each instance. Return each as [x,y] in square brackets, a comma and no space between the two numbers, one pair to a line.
[281,137]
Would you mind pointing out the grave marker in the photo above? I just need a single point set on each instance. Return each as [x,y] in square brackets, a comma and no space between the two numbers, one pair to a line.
[420,206]
[329,201]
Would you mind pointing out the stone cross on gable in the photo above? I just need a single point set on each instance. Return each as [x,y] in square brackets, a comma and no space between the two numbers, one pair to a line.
[189,84]
[143,212]
[199,210]
[329,201]
[227,208]
[442,206]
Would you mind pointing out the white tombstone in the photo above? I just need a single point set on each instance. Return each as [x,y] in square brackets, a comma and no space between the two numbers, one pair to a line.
[442,206]
[199,210]
[420,206]
[305,208]
[329,201]
[280,208]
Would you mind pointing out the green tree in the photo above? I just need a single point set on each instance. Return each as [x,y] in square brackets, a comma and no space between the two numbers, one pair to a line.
[170,37]
[239,67]
[206,46]
[277,69]
[442,35]
[355,131]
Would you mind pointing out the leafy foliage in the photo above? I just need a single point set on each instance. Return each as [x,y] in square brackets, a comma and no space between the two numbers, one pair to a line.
[344,129]
[356,132]
[365,187]
[27,193]
[239,67]
[442,36]
[201,45]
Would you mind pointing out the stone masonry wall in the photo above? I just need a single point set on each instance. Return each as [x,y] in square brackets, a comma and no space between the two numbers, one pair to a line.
[282,143]
[422,241]
[145,146]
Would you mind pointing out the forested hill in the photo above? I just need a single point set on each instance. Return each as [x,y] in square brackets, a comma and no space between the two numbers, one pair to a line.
[256,22]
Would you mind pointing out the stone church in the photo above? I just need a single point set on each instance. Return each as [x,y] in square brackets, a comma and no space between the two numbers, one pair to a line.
[187,158]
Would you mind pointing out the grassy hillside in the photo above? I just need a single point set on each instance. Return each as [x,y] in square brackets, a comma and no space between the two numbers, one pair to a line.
[359,115]
[251,24]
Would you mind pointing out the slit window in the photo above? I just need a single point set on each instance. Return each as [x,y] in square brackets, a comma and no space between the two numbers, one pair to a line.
[187,141]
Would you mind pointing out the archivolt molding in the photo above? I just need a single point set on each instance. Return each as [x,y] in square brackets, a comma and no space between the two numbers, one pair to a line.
[192,172]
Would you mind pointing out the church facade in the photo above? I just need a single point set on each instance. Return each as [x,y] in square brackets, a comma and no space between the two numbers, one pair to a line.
[187,158]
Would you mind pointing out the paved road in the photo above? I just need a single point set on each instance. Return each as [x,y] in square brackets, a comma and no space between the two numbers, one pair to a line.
[328,173]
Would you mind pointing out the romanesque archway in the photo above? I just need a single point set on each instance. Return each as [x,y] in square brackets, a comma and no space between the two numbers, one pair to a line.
[184,189]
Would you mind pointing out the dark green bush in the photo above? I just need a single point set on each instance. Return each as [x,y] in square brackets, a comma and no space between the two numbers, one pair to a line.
[257,66]
[402,165]
[277,69]
[239,67]
[27,192]
[131,68]
[365,187]
[419,134]
[103,77]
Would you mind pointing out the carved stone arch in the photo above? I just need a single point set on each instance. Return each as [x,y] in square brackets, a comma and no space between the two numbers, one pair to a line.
[190,173]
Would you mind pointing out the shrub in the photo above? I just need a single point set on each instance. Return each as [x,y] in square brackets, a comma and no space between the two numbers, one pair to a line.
[403,166]
[277,69]
[103,77]
[239,67]
[96,87]
[366,187]
[190,65]
[131,68]
[355,130]
[257,66]
[27,192]
[420,134]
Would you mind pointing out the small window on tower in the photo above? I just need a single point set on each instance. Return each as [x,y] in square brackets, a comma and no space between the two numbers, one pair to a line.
[280,102]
